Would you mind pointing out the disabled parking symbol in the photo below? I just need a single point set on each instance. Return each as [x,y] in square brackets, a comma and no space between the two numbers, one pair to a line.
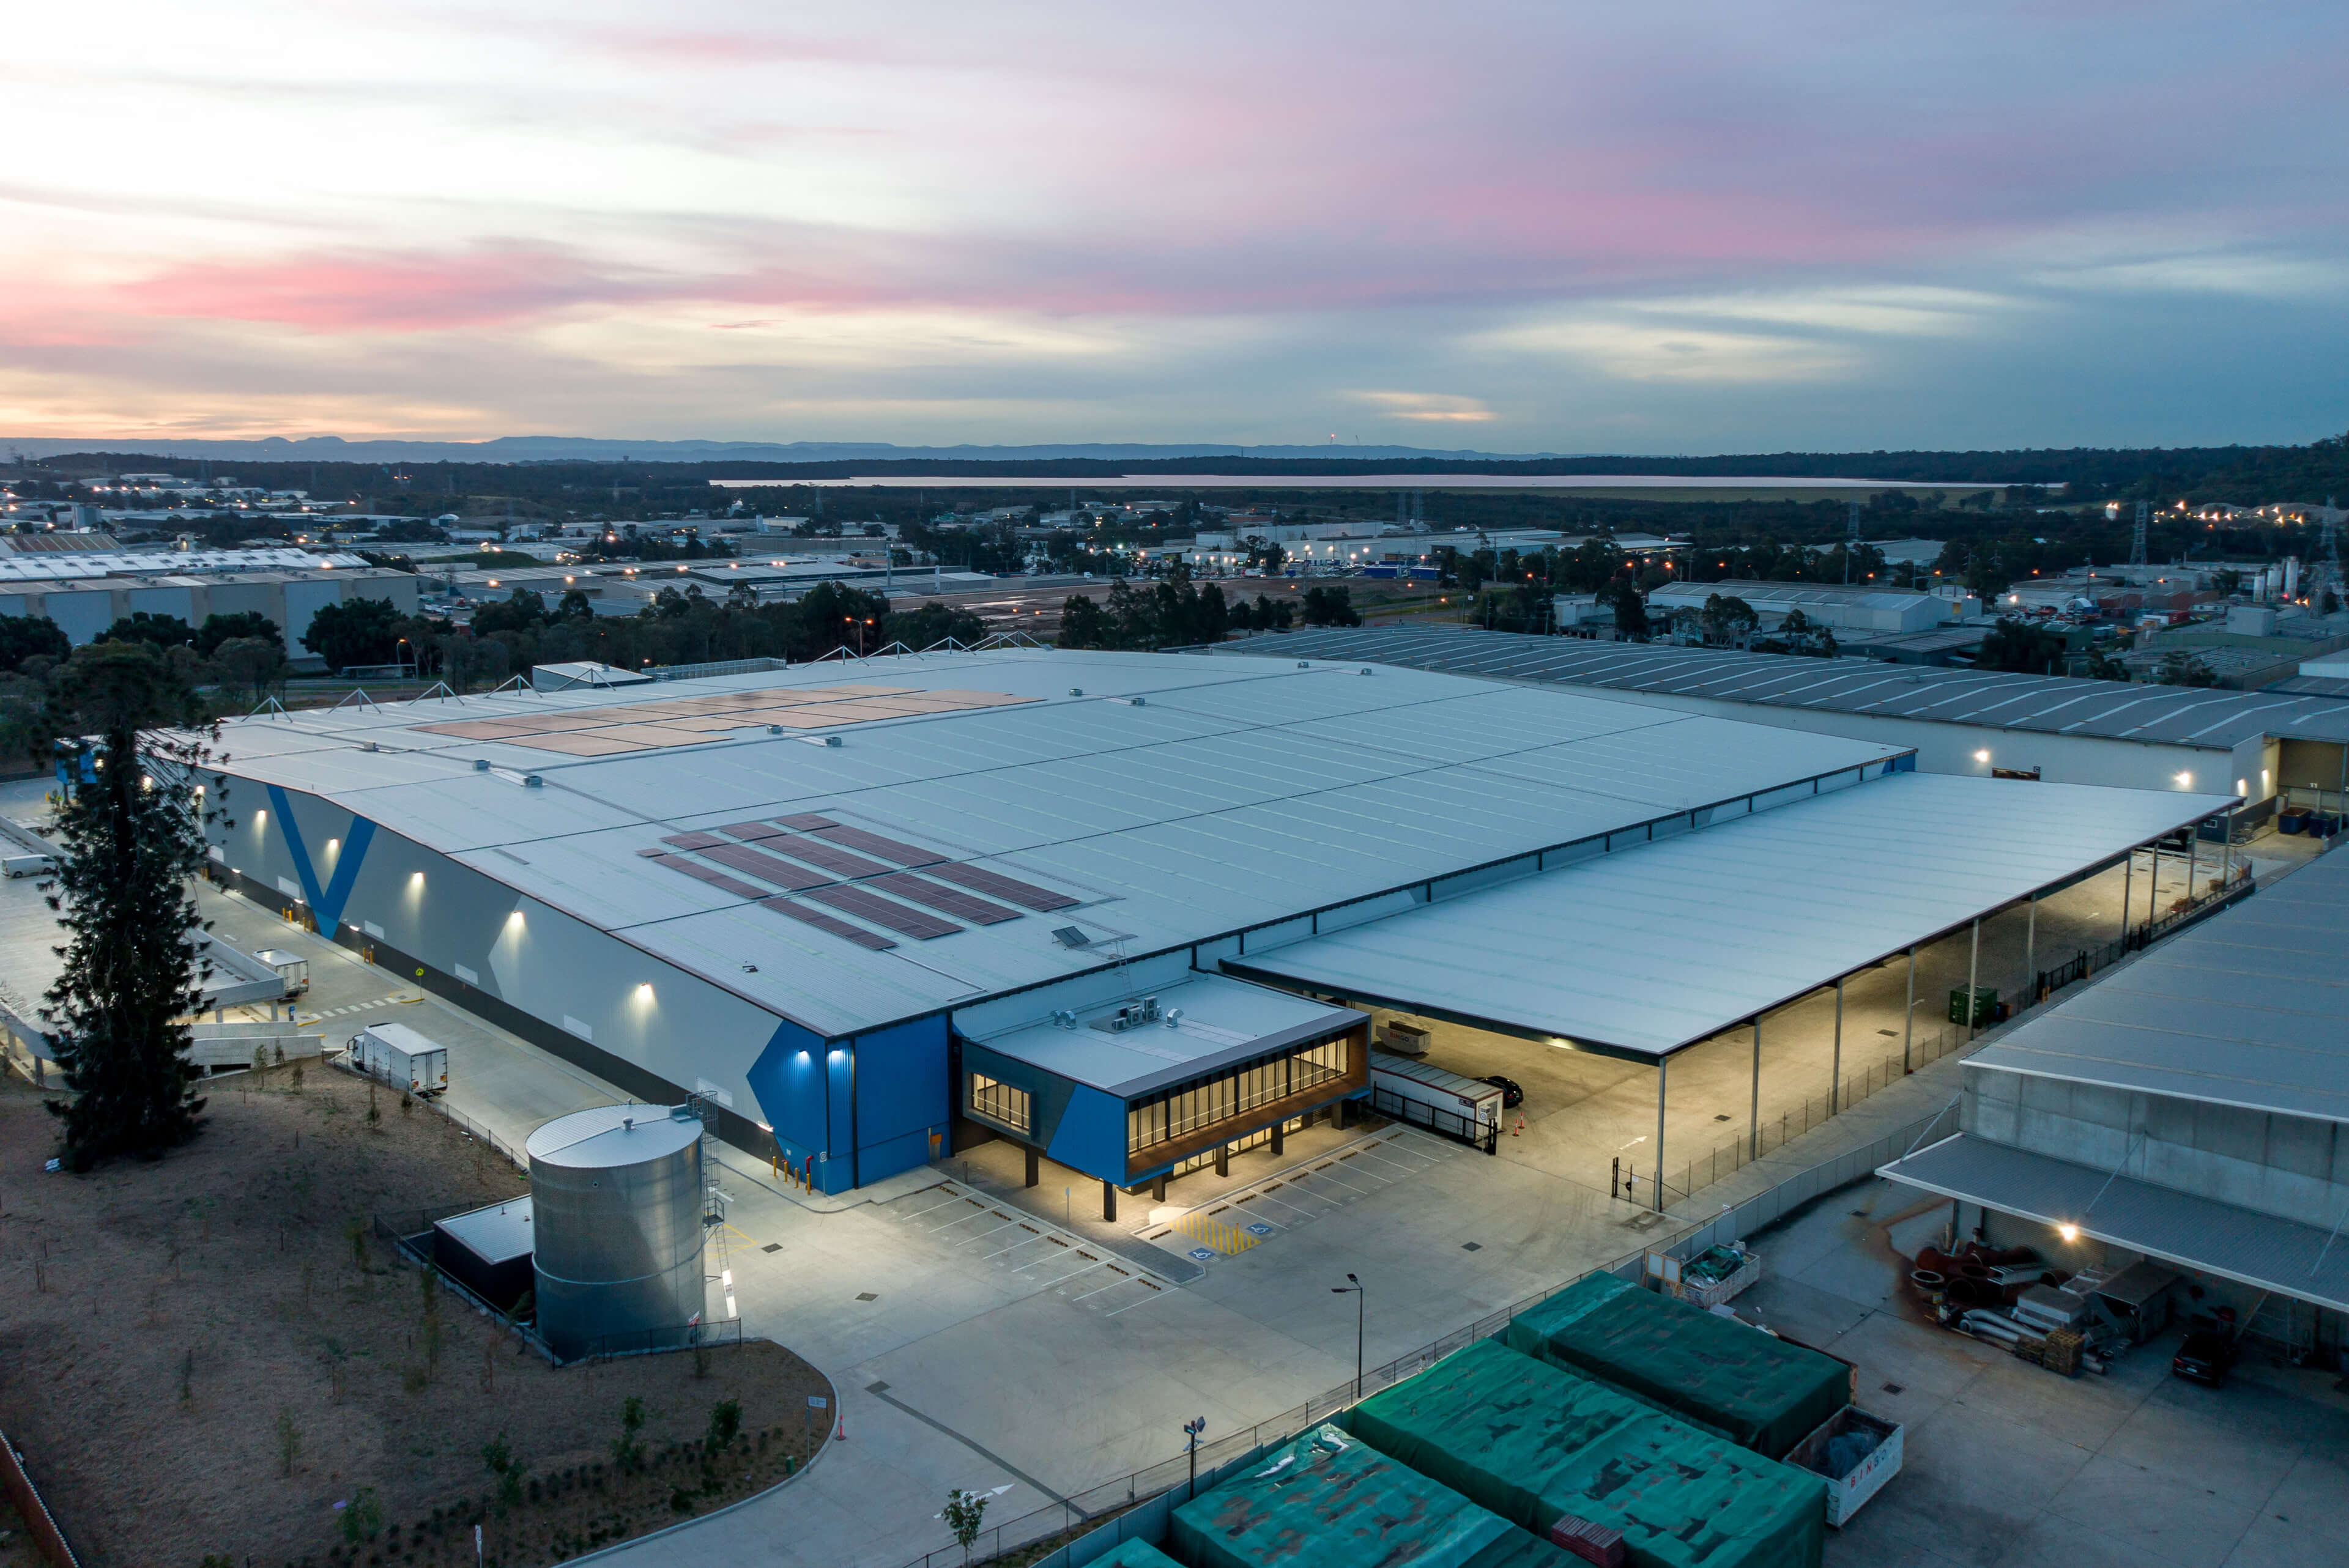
[1259,1229]
[1202,1254]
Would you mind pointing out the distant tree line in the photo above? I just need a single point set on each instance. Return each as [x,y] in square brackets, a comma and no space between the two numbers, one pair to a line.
[507,636]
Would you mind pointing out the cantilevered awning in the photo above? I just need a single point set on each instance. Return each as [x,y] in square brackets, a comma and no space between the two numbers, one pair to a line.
[1646,950]
[2222,1239]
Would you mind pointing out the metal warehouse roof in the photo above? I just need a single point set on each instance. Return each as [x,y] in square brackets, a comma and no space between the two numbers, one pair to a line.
[1795,593]
[2249,1008]
[2238,1243]
[2056,704]
[1172,799]
[1656,947]
[1221,1021]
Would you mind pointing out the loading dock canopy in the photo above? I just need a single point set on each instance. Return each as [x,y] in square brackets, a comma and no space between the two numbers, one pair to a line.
[1205,1023]
[1644,951]
[2258,1250]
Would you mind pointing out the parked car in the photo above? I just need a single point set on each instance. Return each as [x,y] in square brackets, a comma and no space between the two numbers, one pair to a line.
[1512,1096]
[2204,1356]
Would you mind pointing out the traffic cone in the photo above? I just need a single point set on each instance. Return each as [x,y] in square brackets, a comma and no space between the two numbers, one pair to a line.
[1518,1130]
[842,1436]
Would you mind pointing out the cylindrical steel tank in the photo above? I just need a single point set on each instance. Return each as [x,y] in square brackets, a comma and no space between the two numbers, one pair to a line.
[616,1198]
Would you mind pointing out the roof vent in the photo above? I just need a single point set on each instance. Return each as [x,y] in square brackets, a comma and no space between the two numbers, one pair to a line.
[481,765]
[1076,691]
[1173,1018]
[820,740]
[1303,665]
[1069,936]
[532,782]
[1064,1019]
[1366,669]
[627,1124]
[370,746]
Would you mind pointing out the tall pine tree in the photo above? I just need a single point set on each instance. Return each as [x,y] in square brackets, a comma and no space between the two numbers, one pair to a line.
[129,840]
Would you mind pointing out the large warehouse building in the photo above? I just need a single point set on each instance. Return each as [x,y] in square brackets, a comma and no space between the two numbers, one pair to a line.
[2271,748]
[1126,910]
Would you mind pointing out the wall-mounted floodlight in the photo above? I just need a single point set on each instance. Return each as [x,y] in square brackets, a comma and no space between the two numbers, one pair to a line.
[1982,756]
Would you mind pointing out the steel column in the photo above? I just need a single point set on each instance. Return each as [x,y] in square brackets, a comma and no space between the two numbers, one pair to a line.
[2031,953]
[1909,1018]
[1754,1115]
[1835,1083]
[1658,1197]
[1973,983]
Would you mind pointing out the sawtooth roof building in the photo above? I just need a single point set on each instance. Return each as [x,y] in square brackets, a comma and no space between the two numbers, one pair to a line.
[1122,909]
[2272,749]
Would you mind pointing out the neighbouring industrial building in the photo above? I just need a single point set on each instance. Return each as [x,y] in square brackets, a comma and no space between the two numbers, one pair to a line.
[85,593]
[1130,911]
[2274,749]
[2192,1108]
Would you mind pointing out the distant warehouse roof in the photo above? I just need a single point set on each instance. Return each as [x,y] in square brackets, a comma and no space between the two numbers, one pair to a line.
[2055,705]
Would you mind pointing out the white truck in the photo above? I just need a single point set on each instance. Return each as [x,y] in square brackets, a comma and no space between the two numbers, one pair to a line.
[1424,1095]
[289,967]
[400,1056]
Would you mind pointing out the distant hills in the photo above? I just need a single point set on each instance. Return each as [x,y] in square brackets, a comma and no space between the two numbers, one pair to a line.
[2243,474]
[594,449]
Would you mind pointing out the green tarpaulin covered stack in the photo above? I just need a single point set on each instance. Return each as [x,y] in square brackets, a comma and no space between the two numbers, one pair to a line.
[1136,1553]
[1762,1392]
[1535,1443]
[1330,1500]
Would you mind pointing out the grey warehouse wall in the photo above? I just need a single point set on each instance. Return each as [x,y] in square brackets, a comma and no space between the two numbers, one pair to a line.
[459,921]
[2296,1168]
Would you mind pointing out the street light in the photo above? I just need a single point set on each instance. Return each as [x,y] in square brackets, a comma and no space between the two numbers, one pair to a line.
[1190,1431]
[1354,1287]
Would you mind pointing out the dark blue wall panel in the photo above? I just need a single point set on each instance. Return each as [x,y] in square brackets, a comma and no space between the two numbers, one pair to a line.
[901,1094]
[1090,1136]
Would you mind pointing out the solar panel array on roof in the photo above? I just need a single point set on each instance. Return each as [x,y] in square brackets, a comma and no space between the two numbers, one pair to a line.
[1026,895]
[764,866]
[831,857]
[944,900]
[895,917]
[822,922]
[874,844]
[716,879]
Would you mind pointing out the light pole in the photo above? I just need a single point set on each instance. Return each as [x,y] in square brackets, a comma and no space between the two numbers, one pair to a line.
[1190,1431]
[1354,1287]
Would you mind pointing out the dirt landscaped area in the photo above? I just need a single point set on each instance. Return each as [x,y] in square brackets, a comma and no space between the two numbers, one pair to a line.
[213,1355]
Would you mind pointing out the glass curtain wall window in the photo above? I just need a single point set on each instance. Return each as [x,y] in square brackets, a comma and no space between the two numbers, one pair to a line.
[1000,1102]
[1180,1111]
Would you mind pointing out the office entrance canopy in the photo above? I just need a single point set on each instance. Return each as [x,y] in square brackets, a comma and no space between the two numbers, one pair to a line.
[1647,950]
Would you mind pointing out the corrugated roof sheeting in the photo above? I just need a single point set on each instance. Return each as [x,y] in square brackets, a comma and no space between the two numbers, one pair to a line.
[2260,1249]
[2249,1008]
[1668,943]
[1170,823]
[2050,704]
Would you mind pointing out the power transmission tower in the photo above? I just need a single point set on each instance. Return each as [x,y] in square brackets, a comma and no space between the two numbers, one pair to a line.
[2136,539]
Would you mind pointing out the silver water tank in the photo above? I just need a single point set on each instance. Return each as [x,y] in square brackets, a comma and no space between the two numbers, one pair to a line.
[616,1198]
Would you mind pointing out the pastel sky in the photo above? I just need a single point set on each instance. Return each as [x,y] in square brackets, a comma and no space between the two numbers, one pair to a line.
[1569,227]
